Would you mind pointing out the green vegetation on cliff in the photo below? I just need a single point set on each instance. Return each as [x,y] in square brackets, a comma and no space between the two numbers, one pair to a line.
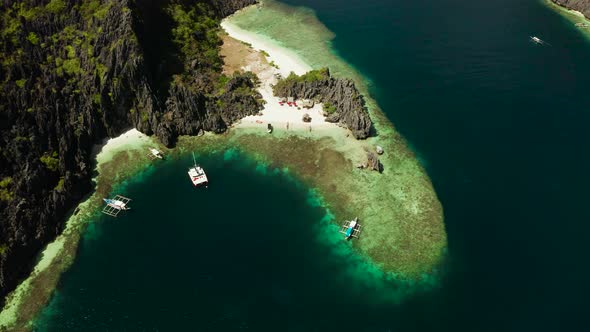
[328,108]
[71,71]
[51,161]
[70,46]
[309,77]
[5,193]
[197,35]
[58,61]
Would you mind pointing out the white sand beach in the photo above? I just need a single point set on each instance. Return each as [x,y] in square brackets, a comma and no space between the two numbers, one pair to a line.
[132,139]
[279,116]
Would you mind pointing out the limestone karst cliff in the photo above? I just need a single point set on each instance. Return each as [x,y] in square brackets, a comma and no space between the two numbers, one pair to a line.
[73,72]
[583,6]
[343,103]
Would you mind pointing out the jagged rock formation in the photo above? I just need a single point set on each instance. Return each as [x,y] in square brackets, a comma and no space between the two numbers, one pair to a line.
[74,72]
[227,7]
[343,103]
[189,112]
[373,162]
[582,6]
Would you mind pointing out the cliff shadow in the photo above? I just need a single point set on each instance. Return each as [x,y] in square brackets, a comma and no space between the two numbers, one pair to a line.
[153,27]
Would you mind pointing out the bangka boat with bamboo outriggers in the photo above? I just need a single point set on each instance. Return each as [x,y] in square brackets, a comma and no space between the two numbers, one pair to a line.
[351,228]
[155,154]
[115,205]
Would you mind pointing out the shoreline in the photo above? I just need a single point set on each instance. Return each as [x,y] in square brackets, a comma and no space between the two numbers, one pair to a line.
[33,292]
[286,121]
[345,190]
[413,210]
[286,59]
[274,61]
[571,15]
[569,10]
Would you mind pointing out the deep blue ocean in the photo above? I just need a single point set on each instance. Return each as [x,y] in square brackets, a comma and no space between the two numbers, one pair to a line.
[499,123]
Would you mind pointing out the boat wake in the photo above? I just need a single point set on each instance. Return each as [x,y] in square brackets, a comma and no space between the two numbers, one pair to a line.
[538,41]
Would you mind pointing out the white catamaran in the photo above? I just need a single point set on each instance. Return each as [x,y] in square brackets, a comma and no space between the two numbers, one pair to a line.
[197,174]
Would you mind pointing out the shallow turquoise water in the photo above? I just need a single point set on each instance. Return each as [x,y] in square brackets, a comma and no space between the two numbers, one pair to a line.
[499,123]
[255,250]
[501,126]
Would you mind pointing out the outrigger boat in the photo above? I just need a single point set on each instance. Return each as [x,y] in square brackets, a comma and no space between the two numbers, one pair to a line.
[351,228]
[155,154]
[116,205]
[197,174]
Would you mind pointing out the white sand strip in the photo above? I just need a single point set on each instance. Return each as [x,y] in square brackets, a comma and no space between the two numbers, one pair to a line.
[287,60]
[130,140]
[280,116]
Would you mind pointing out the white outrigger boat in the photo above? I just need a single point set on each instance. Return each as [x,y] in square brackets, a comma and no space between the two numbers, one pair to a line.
[116,205]
[351,228]
[155,154]
[197,175]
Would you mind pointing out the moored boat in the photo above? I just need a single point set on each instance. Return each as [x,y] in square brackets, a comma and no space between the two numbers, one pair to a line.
[156,153]
[117,204]
[197,175]
[351,228]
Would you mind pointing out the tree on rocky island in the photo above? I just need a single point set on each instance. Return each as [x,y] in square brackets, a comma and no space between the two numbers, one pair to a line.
[343,103]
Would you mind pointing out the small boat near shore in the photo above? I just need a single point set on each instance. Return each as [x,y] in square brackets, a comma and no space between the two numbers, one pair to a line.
[582,25]
[351,228]
[115,205]
[155,154]
[197,175]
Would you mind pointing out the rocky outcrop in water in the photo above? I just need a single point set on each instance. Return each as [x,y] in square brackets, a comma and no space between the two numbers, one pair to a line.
[74,72]
[343,103]
[373,162]
[582,6]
